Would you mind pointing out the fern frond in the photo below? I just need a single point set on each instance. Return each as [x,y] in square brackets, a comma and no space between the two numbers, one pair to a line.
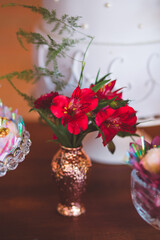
[27,98]
[31,37]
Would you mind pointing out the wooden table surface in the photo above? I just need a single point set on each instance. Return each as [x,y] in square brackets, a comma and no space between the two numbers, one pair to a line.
[28,203]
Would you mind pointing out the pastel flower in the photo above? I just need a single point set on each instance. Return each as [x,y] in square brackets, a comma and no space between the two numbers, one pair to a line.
[156,141]
[45,100]
[145,158]
[111,121]
[73,110]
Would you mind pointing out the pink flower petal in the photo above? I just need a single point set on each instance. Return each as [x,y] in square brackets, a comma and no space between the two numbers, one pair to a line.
[102,115]
[58,105]
[109,134]
[78,124]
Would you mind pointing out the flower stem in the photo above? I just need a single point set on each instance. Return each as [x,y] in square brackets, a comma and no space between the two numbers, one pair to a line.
[83,63]
[74,140]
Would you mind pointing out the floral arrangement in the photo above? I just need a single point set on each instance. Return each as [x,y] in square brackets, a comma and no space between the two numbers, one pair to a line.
[96,108]
[145,158]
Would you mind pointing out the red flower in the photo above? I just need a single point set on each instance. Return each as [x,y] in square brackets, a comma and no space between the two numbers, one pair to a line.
[105,92]
[54,137]
[111,121]
[73,110]
[45,101]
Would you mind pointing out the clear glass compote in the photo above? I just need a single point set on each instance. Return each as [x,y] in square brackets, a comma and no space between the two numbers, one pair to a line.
[18,154]
[146,199]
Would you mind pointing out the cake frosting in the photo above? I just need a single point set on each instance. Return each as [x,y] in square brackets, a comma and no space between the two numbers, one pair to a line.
[14,140]
[11,129]
[113,21]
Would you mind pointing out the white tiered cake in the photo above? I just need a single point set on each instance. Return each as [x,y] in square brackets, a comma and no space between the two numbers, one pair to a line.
[127,44]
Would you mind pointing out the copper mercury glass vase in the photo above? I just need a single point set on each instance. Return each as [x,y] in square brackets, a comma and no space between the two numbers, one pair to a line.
[70,167]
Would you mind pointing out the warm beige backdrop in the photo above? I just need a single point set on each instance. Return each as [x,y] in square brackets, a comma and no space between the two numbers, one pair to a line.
[12,55]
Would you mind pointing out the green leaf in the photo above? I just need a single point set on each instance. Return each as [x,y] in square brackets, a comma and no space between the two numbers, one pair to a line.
[104,77]
[111,147]
[105,103]
[126,134]
[81,76]
[57,25]
[63,139]
[100,132]
[118,103]
[97,76]
[99,85]
[30,37]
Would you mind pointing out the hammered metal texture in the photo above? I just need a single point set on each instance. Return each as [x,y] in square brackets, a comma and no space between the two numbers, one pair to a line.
[70,167]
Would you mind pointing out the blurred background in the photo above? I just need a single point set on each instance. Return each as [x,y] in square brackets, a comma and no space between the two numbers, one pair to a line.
[12,56]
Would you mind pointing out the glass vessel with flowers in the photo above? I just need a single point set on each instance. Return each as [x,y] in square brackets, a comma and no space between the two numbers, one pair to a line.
[96,108]
[144,157]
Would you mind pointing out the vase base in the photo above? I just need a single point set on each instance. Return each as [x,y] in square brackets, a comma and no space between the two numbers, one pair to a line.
[74,210]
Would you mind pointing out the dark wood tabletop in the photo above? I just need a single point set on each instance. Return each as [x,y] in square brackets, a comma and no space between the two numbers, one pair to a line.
[28,201]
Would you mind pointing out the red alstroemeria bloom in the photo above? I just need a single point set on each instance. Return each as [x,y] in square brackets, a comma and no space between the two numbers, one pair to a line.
[54,137]
[73,110]
[45,100]
[105,92]
[111,121]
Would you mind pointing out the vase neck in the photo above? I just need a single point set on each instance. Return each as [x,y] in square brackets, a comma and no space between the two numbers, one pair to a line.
[71,149]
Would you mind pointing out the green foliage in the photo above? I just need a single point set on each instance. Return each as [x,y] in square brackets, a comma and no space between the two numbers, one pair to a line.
[99,85]
[111,147]
[27,98]
[59,49]
[119,103]
[126,134]
[101,82]
[30,37]
[103,78]
[35,74]
[26,75]
[57,129]
[65,23]
[97,76]
[83,63]
[56,49]
[104,103]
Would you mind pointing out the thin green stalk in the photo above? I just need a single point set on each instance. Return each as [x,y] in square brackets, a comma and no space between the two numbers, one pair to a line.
[83,63]
[74,140]
[100,132]
[29,99]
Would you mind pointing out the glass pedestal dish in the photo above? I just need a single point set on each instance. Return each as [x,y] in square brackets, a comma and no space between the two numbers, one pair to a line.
[14,139]
[146,200]
[11,161]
